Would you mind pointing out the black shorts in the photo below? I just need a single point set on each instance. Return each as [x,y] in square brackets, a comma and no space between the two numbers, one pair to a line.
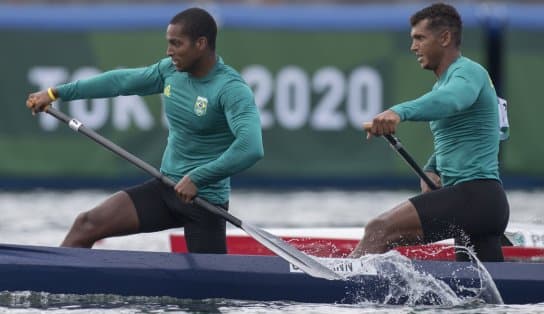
[474,213]
[159,208]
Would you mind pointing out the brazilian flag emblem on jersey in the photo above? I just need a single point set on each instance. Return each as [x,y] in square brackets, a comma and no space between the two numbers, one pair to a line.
[201,105]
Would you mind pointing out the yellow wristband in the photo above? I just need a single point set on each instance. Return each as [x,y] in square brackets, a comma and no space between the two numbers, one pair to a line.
[51,94]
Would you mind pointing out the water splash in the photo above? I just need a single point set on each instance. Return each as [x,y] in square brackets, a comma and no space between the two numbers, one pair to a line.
[488,290]
[392,278]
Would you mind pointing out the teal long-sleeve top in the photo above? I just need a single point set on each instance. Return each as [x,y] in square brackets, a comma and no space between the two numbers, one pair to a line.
[214,128]
[463,114]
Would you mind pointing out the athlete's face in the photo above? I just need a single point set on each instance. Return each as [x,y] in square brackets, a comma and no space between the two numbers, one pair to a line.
[427,45]
[185,52]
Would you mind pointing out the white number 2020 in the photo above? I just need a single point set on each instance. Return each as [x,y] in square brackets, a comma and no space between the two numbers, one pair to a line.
[288,100]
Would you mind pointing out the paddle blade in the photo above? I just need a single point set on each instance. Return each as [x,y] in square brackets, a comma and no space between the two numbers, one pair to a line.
[304,262]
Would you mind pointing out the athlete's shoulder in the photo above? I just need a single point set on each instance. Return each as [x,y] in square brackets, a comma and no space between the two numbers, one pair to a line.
[471,65]
[166,67]
[226,72]
[468,68]
[233,88]
[232,79]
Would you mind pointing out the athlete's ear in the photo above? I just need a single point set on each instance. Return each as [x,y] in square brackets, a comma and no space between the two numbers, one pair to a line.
[201,43]
[445,38]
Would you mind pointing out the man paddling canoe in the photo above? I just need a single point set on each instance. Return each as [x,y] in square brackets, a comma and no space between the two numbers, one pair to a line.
[214,132]
[462,109]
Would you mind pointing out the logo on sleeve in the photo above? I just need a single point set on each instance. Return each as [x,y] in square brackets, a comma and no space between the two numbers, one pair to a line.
[166,91]
[201,105]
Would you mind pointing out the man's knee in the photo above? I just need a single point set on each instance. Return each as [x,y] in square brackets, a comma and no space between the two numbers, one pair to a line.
[376,230]
[390,231]
[85,224]
[82,233]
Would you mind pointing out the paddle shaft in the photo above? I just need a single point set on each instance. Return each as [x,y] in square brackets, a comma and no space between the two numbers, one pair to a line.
[397,146]
[79,127]
[273,243]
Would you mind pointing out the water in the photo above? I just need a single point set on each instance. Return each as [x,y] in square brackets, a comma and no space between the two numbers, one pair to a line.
[42,218]
[41,302]
[410,287]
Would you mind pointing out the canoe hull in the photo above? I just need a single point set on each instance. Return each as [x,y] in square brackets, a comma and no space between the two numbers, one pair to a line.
[202,276]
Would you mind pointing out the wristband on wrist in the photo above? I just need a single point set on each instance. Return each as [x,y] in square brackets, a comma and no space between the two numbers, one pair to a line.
[51,94]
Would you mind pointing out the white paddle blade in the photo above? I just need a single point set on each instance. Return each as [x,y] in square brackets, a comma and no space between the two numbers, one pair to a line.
[300,260]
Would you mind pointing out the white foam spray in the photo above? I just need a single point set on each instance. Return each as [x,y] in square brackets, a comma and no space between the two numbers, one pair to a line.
[409,285]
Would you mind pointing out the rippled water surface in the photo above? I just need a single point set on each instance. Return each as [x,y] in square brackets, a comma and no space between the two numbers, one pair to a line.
[43,217]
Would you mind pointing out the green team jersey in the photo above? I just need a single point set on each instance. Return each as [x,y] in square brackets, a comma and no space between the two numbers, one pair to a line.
[463,113]
[214,128]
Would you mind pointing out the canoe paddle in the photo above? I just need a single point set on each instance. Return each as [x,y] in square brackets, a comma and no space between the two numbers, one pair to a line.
[273,243]
[399,148]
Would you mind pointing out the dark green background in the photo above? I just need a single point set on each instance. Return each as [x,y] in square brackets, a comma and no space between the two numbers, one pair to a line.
[26,151]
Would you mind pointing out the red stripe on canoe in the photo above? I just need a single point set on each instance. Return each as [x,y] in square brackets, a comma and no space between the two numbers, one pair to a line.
[323,247]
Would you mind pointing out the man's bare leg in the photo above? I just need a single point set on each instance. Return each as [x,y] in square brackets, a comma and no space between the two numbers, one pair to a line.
[114,217]
[398,226]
